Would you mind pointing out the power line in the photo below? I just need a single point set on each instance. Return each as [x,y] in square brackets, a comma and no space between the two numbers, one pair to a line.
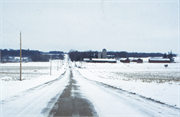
[21,33]
[29,39]
[9,39]
[10,24]
[17,43]
[13,41]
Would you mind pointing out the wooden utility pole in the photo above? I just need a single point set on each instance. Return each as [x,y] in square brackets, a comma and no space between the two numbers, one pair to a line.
[20,56]
[57,64]
[50,64]
[60,64]
[0,55]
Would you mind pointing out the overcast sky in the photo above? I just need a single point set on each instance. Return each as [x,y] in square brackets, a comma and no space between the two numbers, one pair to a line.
[118,25]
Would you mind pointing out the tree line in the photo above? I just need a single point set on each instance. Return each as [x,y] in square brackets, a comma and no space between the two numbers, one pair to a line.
[79,56]
[34,55]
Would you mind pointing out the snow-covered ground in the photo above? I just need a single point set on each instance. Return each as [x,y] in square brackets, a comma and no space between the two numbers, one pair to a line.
[33,74]
[30,70]
[109,102]
[38,91]
[34,89]
[151,80]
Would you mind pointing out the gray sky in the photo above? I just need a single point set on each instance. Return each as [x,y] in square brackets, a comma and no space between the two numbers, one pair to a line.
[120,25]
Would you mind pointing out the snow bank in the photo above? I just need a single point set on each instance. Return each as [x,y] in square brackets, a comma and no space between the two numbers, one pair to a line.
[167,92]
[12,87]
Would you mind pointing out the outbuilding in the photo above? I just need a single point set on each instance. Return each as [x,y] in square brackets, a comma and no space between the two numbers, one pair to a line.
[134,59]
[159,60]
[97,60]
[139,60]
[125,60]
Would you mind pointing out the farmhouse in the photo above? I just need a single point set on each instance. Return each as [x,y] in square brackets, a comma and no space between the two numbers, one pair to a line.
[124,60]
[139,60]
[159,60]
[133,59]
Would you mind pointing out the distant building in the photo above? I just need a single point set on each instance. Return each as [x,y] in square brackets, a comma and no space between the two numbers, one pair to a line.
[134,59]
[104,53]
[102,58]
[99,54]
[139,60]
[159,60]
[125,60]
[23,59]
[97,60]
[15,59]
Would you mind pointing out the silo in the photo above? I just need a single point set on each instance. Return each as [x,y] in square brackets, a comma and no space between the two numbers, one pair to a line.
[104,53]
[99,54]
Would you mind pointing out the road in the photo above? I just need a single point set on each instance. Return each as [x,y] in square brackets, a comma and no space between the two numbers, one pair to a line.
[71,94]
[72,103]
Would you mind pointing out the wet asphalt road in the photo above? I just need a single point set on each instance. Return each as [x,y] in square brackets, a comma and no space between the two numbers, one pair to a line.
[71,102]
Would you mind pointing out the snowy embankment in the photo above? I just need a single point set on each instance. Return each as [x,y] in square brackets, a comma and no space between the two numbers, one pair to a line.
[9,79]
[36,94]
[148,80]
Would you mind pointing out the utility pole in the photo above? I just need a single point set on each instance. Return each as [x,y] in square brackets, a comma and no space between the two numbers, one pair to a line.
[50,64]
[20,56]
[57,64]
[0,56]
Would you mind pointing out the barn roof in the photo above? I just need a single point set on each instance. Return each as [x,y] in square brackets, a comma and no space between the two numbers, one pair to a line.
[159,59]
[96,59]
[99,60]
[123,58]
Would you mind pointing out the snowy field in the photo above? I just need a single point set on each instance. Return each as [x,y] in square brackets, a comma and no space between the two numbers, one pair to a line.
[33,74]
[151,88]
[30,70]
[150,80]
